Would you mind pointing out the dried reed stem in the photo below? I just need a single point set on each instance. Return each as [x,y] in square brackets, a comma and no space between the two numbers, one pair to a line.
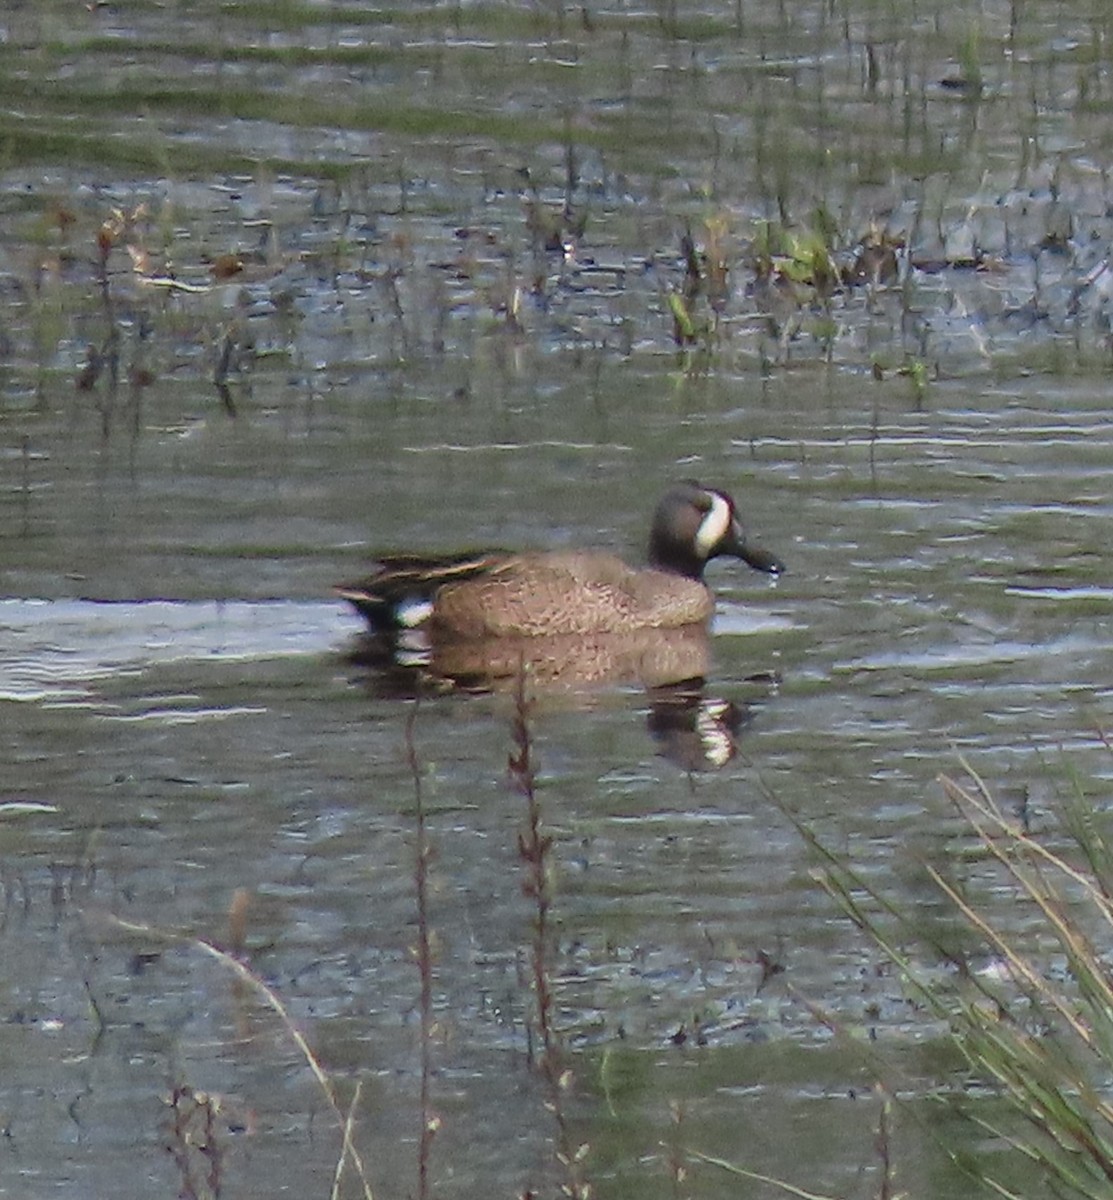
[241,971]
[430,1123]
[534,851]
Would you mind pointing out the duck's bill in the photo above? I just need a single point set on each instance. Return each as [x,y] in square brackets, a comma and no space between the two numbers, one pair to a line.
[760,559]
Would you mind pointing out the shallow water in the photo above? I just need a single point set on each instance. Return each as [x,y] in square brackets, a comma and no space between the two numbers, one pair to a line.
[403,364]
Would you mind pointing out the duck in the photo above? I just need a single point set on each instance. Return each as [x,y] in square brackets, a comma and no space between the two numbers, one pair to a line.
[494,594]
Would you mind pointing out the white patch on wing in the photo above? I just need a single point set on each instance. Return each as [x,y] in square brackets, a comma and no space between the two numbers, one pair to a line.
[713,527]
[413,611]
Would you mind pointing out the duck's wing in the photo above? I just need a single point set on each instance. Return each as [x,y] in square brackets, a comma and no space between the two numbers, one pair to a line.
[398,592]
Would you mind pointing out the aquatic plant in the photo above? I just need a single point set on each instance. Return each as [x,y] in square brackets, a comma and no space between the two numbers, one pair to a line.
[194,1141]
[423,953]
[803,257]
[192,1110]
[535,853]
[1030,1012]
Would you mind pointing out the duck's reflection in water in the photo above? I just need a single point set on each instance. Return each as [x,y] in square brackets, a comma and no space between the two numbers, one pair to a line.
[696,730]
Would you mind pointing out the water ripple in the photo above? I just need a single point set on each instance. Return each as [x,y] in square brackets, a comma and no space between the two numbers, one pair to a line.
[52,649]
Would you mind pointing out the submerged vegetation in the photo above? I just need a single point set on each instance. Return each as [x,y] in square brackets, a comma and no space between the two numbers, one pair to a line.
[793,233]
[128,295]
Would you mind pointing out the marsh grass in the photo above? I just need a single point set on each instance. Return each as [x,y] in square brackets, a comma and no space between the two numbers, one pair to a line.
[189,1107]
[1028,1006]
[1031,1012]
[195,1124]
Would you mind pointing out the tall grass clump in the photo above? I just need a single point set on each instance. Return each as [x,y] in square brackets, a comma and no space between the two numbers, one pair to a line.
[1031,1012]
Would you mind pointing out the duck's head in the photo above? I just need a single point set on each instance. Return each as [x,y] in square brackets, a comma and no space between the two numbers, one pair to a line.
[694,524]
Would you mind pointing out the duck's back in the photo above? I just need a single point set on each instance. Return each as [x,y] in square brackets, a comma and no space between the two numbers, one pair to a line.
[569,592]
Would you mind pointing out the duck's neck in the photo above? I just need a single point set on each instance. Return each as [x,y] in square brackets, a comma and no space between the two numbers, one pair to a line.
[666,555]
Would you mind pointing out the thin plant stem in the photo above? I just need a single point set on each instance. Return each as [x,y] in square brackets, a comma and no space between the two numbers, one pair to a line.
[246,975]
[534,851]
[430,1123]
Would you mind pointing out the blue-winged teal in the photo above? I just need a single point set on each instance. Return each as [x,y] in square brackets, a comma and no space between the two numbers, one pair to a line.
[498,594]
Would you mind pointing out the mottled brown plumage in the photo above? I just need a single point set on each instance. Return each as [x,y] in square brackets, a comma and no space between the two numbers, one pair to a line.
[569,592]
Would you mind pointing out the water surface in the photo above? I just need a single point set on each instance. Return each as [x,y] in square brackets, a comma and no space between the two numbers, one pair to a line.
[408,357]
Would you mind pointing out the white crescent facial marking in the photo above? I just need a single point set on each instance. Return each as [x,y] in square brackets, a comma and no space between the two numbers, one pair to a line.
[713,527]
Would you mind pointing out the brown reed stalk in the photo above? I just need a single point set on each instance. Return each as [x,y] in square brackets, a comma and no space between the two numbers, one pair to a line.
[535,852]
[430,1122]
[193,1141]
[676,1157]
